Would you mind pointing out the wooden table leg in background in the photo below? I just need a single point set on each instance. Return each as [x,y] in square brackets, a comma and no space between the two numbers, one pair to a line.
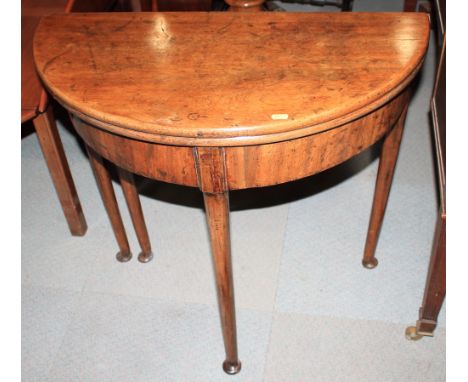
[212,182]
[134,206]
[434,292]
[388,159]
[54,155]
[106,189]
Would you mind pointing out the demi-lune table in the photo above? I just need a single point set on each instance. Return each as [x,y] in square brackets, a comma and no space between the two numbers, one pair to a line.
[227,101]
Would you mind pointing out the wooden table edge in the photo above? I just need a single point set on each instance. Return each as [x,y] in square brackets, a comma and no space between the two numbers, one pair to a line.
[245,140]
[229,136]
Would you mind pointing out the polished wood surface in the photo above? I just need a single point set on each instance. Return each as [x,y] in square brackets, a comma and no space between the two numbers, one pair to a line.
[246,78]
[223,101]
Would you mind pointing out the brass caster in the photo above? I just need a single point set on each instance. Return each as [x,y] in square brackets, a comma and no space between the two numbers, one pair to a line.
[370,264]
[145,257]
[231,367]
[411,334]
[123,257]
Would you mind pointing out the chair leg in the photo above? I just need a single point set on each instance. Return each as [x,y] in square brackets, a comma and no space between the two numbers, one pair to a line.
[106,189]
[212,182]
[136,213]
[388,159]
[54,155]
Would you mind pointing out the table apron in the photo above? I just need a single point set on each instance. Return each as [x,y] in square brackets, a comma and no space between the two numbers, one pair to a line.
[248,166]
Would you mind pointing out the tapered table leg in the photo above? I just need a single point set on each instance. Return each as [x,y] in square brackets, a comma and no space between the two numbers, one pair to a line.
[133,202]
[212,181]
[54,155]
[106,189]
[388,159]
[434,293]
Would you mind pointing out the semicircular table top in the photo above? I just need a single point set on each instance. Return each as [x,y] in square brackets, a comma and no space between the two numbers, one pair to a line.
[227,78]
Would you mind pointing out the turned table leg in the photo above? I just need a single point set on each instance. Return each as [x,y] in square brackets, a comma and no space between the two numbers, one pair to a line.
[212,181]
[388,159]
[133,202]
[54,155]
[106,189]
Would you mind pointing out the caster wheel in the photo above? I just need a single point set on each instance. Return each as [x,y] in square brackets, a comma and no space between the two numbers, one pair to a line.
[123,257]
[370,264]
[145,257]
[411,334]
[231,368]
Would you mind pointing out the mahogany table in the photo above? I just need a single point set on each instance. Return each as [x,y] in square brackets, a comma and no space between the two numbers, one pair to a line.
[226,101]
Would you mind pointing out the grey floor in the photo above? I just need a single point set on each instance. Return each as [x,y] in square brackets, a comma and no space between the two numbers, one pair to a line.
[307,309]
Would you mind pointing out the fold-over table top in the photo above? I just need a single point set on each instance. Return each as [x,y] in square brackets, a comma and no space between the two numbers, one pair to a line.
[227,78]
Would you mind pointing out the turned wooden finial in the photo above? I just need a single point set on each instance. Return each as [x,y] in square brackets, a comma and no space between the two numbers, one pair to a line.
[245,5]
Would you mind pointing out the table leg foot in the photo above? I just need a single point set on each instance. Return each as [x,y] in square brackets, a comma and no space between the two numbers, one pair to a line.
[123,257]
[145,257]
[412,334]
[231,367]
[370,263]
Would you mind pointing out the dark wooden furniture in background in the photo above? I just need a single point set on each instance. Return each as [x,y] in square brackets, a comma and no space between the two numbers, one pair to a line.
[344,5]
[35,104]
[294,107]
[434,293]
[258,5]
[35,107]
[183,5]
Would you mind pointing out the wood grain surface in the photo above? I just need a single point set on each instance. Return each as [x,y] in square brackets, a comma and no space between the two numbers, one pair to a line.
[245,78]
[251,165]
